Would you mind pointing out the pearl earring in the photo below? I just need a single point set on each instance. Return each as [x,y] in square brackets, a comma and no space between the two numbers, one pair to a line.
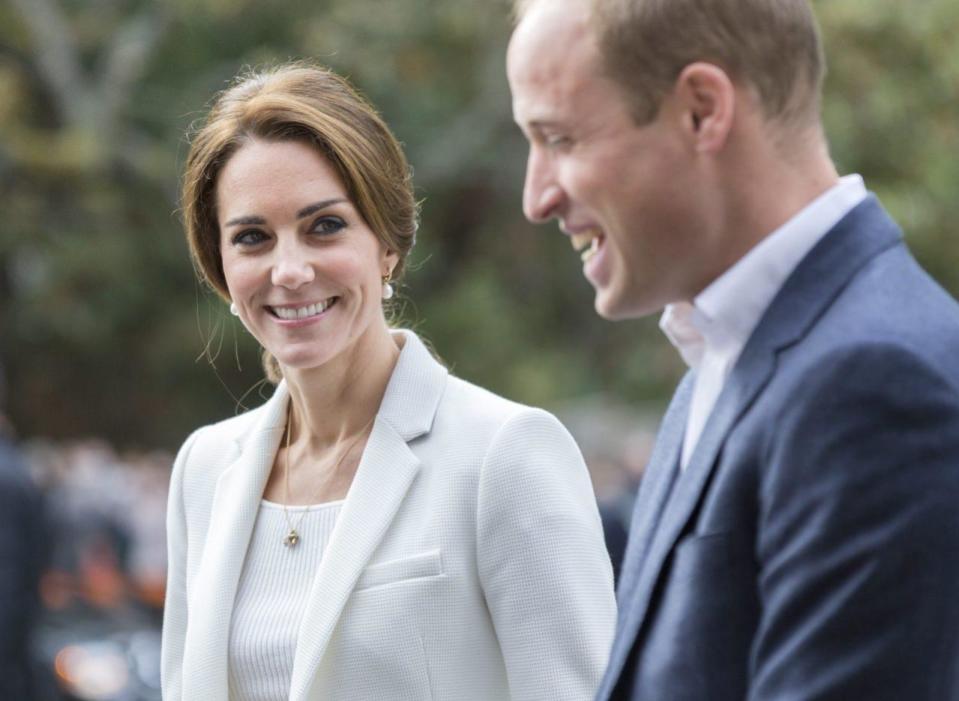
[387,287]
[233,310]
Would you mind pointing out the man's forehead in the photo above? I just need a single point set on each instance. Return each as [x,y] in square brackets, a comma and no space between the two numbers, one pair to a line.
[549,25]
[550,53]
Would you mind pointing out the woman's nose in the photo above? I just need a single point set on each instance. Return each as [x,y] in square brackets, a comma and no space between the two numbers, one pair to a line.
[291,268]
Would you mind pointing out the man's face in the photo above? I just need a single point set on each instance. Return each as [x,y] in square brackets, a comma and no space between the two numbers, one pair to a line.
[625,194]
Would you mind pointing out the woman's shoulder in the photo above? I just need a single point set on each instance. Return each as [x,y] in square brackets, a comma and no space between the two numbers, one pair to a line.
[477,406]
[211,443]
[422,383]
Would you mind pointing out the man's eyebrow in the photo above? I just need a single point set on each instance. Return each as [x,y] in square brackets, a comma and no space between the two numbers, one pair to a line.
[253,220]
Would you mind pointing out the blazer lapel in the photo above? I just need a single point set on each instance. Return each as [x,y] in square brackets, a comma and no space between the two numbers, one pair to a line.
[236,503]
[740,390]
[386,471]
[654,491]
[656,485]
[861,235]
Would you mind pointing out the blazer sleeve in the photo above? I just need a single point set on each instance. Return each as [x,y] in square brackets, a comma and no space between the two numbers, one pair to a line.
[858,545]
[542,561]
[175,606]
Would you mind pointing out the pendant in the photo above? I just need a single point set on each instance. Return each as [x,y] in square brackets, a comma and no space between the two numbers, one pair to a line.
[292,538]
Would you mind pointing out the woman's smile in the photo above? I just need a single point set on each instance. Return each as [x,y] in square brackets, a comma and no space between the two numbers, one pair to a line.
[302,312]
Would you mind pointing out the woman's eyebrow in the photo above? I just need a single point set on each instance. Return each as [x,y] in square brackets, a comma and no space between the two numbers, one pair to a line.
[246,221]
[253,220]
[317,206]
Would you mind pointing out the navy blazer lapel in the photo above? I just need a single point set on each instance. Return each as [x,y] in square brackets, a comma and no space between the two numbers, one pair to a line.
[655,485]
[654,491]
[864,233]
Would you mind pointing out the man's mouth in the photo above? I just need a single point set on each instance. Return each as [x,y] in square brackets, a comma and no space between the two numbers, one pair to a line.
[288,313]
[586,243]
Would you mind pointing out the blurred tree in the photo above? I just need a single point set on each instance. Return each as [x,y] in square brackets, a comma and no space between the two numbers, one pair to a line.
[101,324]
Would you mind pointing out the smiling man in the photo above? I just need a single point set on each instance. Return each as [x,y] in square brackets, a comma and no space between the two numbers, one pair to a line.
[797,533]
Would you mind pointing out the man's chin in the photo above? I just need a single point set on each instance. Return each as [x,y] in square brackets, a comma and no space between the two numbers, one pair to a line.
[613,308]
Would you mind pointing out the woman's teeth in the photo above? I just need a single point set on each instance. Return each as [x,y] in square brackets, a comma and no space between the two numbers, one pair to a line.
[292,313]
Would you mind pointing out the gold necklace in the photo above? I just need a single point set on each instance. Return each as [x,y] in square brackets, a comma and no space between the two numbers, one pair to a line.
[293,537]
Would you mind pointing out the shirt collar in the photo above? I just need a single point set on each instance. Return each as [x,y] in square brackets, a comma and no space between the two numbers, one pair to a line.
[722,317]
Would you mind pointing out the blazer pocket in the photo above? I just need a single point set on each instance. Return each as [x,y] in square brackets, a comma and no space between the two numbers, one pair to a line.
[421,566]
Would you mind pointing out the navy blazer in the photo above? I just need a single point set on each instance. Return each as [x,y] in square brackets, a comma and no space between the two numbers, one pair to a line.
[810,549]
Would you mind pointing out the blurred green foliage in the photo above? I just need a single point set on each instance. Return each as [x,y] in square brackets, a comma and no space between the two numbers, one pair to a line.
[102,326]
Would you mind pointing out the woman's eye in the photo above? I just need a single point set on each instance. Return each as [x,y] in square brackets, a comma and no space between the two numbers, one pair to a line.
[328,225]
[248,237]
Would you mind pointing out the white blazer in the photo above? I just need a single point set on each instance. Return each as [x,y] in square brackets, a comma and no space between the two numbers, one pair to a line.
[467,562]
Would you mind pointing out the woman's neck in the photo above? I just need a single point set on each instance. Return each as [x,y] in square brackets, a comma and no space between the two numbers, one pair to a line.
[337,400]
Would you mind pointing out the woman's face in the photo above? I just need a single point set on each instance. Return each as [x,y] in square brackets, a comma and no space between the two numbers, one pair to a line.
[301,265]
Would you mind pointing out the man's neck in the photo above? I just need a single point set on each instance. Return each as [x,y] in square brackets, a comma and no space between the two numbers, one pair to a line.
[765,188]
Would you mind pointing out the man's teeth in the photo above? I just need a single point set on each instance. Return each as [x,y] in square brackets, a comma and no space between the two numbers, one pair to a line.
[291,313]
[581,240]
[591,251]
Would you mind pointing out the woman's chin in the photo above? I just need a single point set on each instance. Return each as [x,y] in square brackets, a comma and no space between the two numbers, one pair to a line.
[299,361]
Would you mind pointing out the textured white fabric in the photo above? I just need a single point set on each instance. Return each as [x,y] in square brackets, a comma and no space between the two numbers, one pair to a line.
[467,562]
[712,331]
[271,598]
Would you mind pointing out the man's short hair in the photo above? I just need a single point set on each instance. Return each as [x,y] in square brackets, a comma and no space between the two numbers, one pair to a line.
[771,45]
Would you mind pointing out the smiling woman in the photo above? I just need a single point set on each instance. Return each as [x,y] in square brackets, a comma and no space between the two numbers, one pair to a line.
[379,528]
[301,265]
[349,146]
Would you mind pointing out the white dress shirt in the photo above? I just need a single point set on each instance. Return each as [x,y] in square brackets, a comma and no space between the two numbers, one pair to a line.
[712,330]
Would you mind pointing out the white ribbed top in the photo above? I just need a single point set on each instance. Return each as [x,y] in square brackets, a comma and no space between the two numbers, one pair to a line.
[271,598]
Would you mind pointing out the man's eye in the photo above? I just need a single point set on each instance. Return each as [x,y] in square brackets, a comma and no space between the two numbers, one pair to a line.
[248,237]
[328,225]
[557,141]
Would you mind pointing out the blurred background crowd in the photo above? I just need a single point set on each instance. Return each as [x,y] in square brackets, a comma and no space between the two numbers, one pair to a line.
[113,353]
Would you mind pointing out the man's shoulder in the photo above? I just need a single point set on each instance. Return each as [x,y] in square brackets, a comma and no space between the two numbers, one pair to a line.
[893,306]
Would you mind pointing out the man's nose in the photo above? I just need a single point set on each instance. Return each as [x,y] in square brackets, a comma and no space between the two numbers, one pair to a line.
[542,195]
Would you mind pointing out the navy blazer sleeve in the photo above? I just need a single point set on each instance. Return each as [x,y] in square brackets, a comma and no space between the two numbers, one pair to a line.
[858,543]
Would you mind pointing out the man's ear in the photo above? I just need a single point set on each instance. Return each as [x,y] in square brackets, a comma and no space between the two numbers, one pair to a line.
[706,99]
